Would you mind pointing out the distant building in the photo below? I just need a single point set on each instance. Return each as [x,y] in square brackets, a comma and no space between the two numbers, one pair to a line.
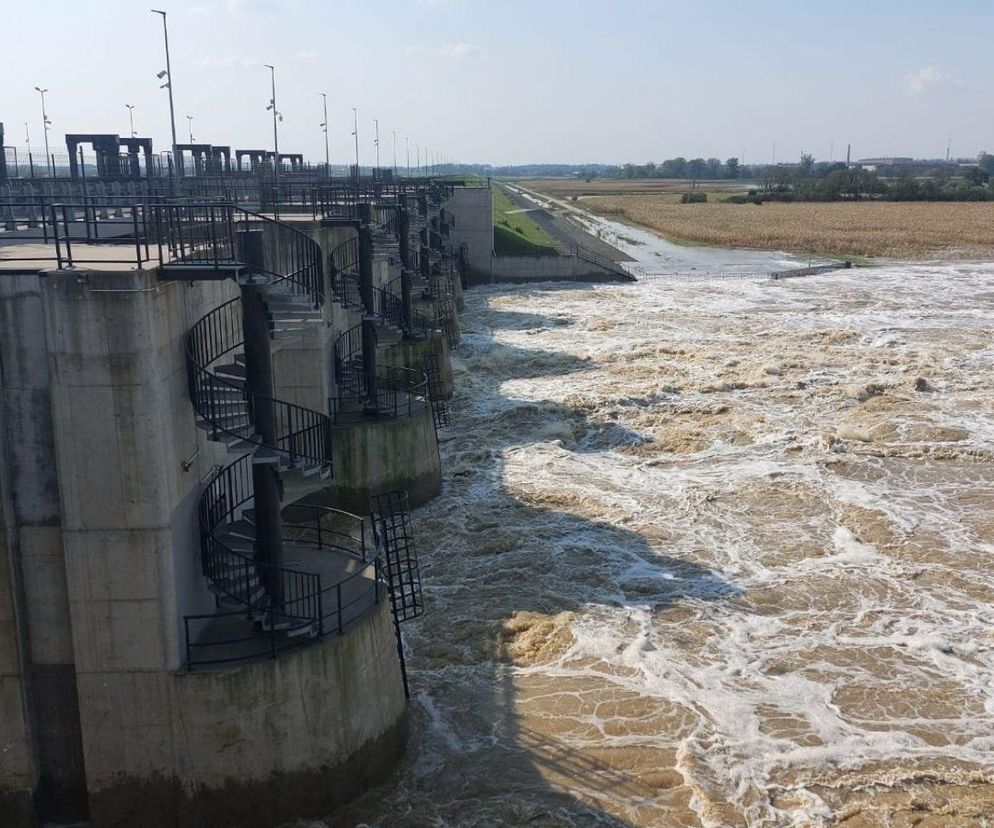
[883,165]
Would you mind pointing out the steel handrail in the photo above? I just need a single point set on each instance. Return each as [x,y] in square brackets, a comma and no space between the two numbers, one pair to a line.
[227,495]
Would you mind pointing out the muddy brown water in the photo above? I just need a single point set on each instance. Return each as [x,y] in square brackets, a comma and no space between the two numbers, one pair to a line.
[711,553]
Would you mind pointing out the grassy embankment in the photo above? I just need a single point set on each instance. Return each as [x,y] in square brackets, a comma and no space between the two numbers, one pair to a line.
[515,234]
[900,230]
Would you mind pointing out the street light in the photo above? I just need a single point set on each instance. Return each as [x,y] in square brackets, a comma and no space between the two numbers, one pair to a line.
[324,126]
[189,120]
[376,140]
[168,74]
[394,134]
[355,134]
[407,141]
[131,118]
[276,116]
[45,123]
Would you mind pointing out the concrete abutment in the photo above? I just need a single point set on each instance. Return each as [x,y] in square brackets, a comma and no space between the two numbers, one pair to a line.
[103,466]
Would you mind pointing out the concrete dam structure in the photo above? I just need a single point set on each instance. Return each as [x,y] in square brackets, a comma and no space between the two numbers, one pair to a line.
[219,399]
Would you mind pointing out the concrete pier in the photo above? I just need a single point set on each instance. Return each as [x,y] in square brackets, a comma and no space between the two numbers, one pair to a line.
[123,556]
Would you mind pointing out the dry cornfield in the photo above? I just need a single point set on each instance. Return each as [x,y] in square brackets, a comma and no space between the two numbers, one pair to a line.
[569,187]
[919,230]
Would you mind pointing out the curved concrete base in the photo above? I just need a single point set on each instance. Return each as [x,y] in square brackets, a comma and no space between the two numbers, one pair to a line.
[18,808]
[378,455]
[272,741]
[409,353]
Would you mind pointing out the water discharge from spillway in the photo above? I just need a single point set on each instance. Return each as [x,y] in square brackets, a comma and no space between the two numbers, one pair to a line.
[711,553]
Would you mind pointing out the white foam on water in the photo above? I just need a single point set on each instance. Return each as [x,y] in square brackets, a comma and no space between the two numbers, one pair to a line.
[808,605]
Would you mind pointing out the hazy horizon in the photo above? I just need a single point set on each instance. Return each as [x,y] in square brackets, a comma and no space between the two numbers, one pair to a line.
[517,84]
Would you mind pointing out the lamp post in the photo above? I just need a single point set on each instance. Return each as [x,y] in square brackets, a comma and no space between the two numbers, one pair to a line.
[168,74]
[355,134]
[189,121]
[324,126]
[407,141]
[276,114]
[394,134]
[45,123]
[131,118]
[276,140]
[376,140]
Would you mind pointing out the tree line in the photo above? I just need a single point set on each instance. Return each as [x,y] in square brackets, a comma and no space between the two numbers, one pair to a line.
[811,180]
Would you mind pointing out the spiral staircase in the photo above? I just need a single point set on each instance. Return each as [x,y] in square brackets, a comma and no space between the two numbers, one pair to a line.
[328,573]
[398,391]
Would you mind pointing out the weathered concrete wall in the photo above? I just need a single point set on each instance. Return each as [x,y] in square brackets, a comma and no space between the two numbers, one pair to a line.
[116,351]
[103,533]
[37,560]
[409,353]
[18,770]
[381,455]
[260,744]
[299,374]
[242,747]
[473,211]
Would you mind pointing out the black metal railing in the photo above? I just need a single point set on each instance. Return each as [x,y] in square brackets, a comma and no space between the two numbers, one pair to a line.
[349,372]
[278,607]
[399,392]
[390,307]
[303,435]
[345,283]
[140,233]
[253,584]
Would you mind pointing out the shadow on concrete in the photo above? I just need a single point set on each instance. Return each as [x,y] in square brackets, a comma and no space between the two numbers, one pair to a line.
[475,757]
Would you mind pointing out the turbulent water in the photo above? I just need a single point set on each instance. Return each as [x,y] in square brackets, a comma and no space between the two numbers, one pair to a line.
[711,553]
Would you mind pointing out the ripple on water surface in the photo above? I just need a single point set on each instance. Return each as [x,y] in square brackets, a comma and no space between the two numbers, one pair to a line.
[713,553]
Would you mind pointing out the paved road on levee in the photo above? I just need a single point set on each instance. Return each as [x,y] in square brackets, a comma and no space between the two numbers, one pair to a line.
[562,231]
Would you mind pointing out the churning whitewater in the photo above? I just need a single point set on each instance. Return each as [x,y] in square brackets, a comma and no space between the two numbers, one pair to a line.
[711,553]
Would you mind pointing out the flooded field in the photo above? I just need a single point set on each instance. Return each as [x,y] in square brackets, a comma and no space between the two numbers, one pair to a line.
[713,553]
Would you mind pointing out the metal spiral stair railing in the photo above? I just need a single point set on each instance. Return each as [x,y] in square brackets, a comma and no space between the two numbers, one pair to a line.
[292,281]
[345,283]
[290,278]
[308,605]
[400,392]
[390,308]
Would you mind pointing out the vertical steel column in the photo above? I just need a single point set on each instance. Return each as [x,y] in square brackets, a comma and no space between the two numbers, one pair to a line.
[369,303]
[366,268]
[424,262]
[405,295]
[404,232]
[259,384]
[369,363]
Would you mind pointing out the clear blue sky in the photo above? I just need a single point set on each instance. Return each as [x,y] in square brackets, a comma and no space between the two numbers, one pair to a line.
[514,81]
